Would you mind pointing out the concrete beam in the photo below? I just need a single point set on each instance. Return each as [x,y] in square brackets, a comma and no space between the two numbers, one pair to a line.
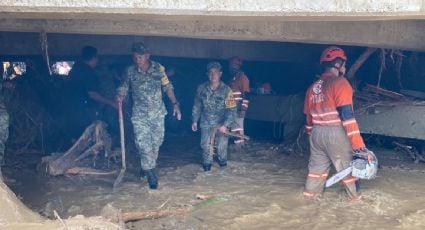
[406,34]
[405,121]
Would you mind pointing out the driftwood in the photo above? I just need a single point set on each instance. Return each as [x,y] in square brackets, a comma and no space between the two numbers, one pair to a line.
[115,215]
[383,92]
[89,171]
[147,215]
[94,139]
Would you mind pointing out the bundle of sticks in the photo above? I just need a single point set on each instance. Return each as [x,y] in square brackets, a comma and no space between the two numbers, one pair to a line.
[372,93]
[372,96]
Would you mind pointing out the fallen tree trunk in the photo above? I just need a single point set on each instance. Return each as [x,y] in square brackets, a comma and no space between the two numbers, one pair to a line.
[94,139]
[359,62]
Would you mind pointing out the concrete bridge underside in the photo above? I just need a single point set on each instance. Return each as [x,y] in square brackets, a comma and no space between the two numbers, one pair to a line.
[384,23]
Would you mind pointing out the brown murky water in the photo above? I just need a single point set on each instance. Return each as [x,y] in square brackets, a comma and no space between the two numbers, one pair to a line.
[260,189]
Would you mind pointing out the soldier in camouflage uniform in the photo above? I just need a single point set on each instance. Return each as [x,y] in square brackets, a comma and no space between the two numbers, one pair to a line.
[147,81]
[4,123]
[216,108]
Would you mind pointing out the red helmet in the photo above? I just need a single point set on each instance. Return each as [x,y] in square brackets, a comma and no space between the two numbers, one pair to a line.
[331,53]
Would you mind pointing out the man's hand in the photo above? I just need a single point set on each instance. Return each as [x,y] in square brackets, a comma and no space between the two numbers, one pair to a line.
[366,153]
[222,129]
[176,112]
[194,126]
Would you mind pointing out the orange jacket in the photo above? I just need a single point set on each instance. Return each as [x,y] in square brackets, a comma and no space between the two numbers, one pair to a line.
[321,103]
[240,86]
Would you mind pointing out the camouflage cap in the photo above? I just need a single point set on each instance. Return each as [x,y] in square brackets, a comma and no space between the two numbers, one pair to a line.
[214,65]
[139,48]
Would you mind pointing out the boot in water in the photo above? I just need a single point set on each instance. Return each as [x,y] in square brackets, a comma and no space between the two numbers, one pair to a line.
[152,180]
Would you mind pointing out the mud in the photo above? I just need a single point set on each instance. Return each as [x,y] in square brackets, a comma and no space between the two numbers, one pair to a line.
[14,215]
[260,189]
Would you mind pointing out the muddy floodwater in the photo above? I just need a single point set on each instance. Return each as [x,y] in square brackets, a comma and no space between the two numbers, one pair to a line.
[260,189]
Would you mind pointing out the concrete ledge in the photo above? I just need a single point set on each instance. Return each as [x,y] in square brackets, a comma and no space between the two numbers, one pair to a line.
[406,35]
[399,121]
[325,8]
[376,23]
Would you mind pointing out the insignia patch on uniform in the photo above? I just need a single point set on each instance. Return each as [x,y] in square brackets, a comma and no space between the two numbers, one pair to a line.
[164,80]
[317,87]
[230,101]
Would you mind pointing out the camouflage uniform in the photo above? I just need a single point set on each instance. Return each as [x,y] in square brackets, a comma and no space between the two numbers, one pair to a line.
[148,109]
[214,108]
[4,127]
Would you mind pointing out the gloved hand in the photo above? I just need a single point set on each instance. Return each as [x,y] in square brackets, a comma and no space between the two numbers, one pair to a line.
[364,153]
[365,164]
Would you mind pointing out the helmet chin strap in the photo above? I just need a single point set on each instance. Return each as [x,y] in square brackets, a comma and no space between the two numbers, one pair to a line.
[340,73]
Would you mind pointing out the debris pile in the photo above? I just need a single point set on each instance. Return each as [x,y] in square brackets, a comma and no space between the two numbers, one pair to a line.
[94,140]
[371,96]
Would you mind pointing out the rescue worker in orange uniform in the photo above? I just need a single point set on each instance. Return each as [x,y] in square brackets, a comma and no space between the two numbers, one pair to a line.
[239,83]
[334,133]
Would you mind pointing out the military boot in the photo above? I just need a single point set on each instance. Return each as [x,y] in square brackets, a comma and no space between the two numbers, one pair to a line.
[152,180]
[207,167]
[222,164]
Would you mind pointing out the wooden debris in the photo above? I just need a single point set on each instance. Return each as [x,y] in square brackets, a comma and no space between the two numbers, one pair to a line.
[384,93]
[202,197]
[398,64]
[372,96]
[89,171]
[413,153]
[359,62]
[116,215]
[148,215]
[61,220]
[382,66]
[94,139]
